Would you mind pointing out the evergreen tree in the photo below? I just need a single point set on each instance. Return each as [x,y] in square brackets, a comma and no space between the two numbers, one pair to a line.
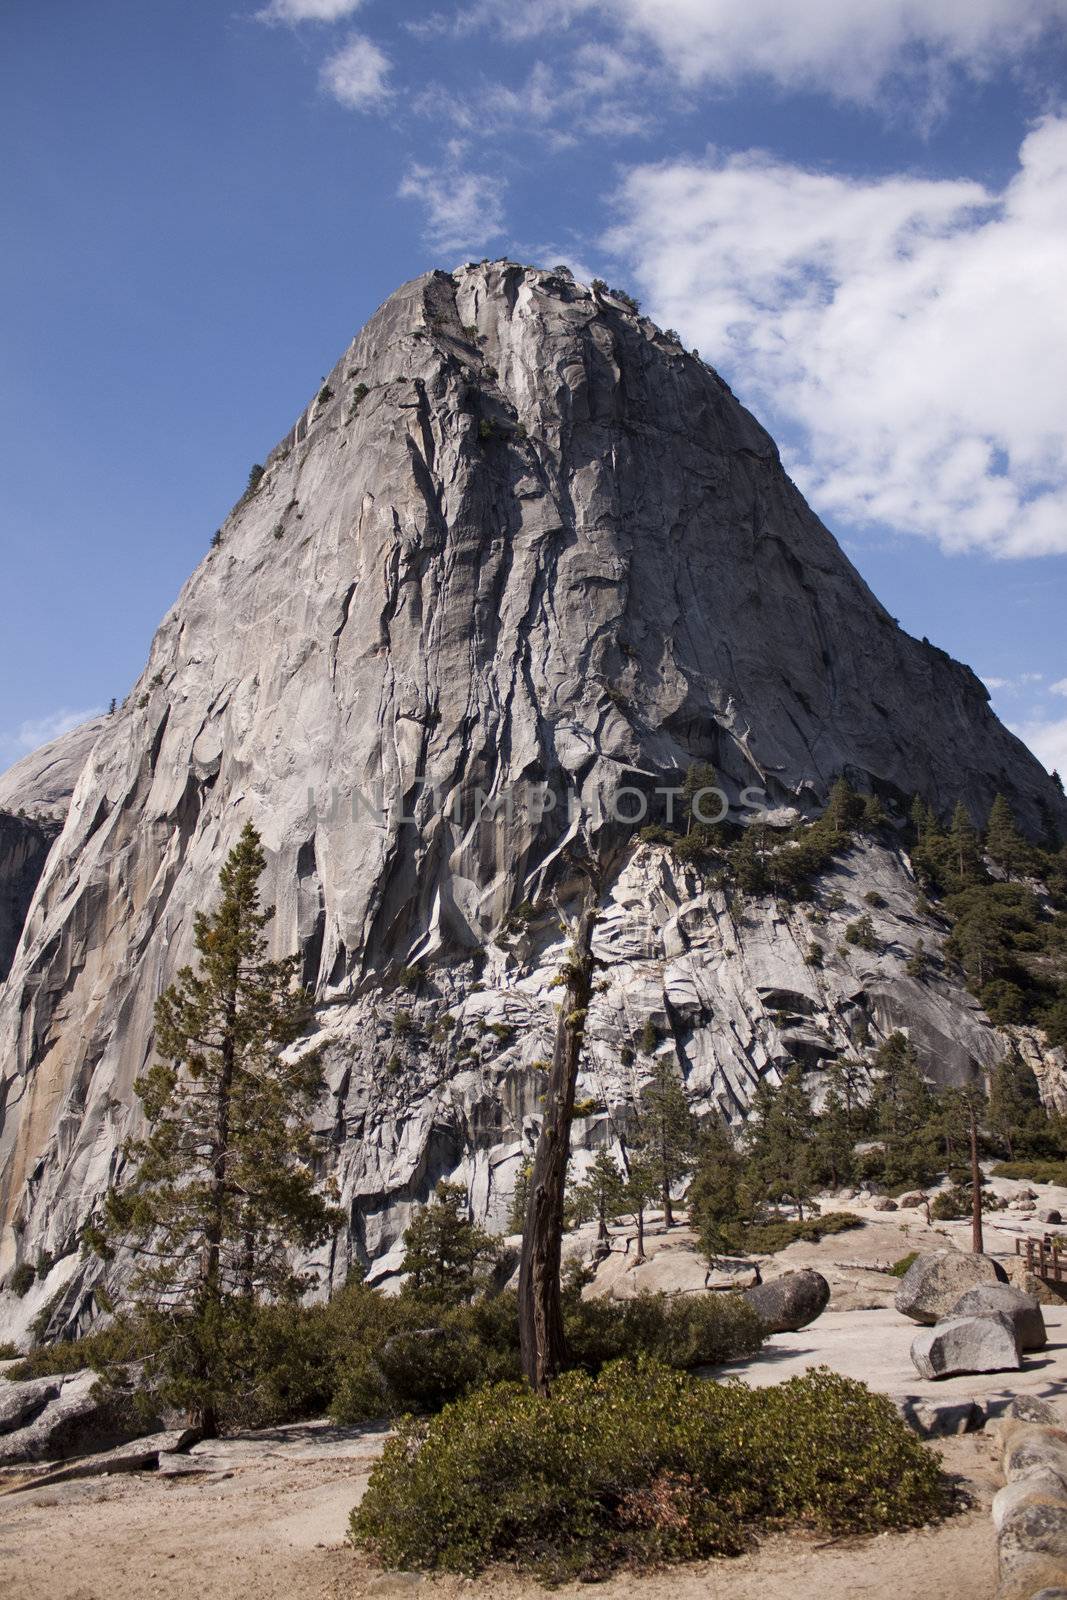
[779,1138]
[445,1253]
[1016,1119]
[966,855]
[602,1193]
[223,1186]
[520,1198]
[701,775]
[904,1113]
[844,809]
[719,1197]
[642,1187]
[668,1132]
[835,1139]
[1005,843]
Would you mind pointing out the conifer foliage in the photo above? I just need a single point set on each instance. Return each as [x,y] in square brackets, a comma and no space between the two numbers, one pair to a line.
[223,1186]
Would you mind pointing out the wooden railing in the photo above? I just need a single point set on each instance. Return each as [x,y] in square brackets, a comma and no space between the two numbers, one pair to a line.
[1042,1258]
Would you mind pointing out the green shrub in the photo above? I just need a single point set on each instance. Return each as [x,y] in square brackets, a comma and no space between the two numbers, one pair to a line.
[640,1466]
[951,1205]
[22,1279]
[1032,1171]
[256,474]
[899,1268]
[767,1238]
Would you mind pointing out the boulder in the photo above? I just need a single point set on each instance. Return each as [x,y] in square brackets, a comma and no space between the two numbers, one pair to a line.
[82,1417]
[785,1304]
[1036,1489]
[908,1201]
[1032,1547]
[1051,1217]
[1025,1313]
[21,1402]
[1031,1408]
[934,1282]
[1032,1447]
[882,1202]
[967,1344]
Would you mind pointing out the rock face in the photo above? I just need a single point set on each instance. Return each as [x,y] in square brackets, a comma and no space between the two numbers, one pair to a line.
[790,1302]
[934,1283]
[34,797]
[520,539]
[967,1344]
[1003,1299]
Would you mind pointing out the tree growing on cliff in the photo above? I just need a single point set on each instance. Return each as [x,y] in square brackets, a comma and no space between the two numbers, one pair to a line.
[223,1186]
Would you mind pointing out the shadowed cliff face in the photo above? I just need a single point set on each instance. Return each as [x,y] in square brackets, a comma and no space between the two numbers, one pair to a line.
[24,845]
[520,538]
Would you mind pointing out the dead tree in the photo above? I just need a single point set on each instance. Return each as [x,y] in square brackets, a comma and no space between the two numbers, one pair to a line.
[541,1337]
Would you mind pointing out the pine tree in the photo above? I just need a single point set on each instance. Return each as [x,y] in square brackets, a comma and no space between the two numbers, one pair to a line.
[701,775]
[642,1187]
[223,1187]
[445,1253]
[905,1112]
[520,1198]
[719,1199]
[1016,1117]
[779,1137]
[668,1132]
[835,1139]
[602,1193]
[966,856]
[844,809]
[1004,842]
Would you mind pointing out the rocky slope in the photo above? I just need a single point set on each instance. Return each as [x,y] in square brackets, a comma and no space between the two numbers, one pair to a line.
[520,539]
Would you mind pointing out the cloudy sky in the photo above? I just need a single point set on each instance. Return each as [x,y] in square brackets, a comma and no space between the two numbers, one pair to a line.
[857,212]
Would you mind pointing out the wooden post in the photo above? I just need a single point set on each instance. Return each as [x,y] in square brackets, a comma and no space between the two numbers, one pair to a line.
[977,1241]
[541,1337]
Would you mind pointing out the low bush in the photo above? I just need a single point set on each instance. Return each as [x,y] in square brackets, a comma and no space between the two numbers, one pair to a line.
[767,1238]
[899,1268]
[640,1466]
[1032,1171]
[9,1352]
[22,1279]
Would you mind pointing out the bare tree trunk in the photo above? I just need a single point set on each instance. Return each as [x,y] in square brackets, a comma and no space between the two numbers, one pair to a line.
[977,1241]
[541,1336]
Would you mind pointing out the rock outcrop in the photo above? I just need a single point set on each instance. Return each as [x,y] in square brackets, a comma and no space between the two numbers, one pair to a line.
[933,1284]
[520,549]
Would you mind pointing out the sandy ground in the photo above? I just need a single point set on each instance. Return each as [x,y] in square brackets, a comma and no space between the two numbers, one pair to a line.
[276,1528]
[269,1519]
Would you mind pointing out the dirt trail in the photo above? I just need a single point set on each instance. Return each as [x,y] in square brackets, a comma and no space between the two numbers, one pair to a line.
[275,1528]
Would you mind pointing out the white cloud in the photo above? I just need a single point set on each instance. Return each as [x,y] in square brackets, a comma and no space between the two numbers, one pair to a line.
[911,332]
[839,46]
[1048,740]
[464,209]
[307,10]
[357,74]
[37,731]
[1058,688]
[850,50]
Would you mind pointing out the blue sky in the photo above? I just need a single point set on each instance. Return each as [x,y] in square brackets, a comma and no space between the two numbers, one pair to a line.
[857,212]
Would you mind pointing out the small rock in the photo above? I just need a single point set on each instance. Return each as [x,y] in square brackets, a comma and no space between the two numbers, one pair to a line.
[934,1282]
[785,1304]
[940,1419]
[1024,1312]
[967,1344]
